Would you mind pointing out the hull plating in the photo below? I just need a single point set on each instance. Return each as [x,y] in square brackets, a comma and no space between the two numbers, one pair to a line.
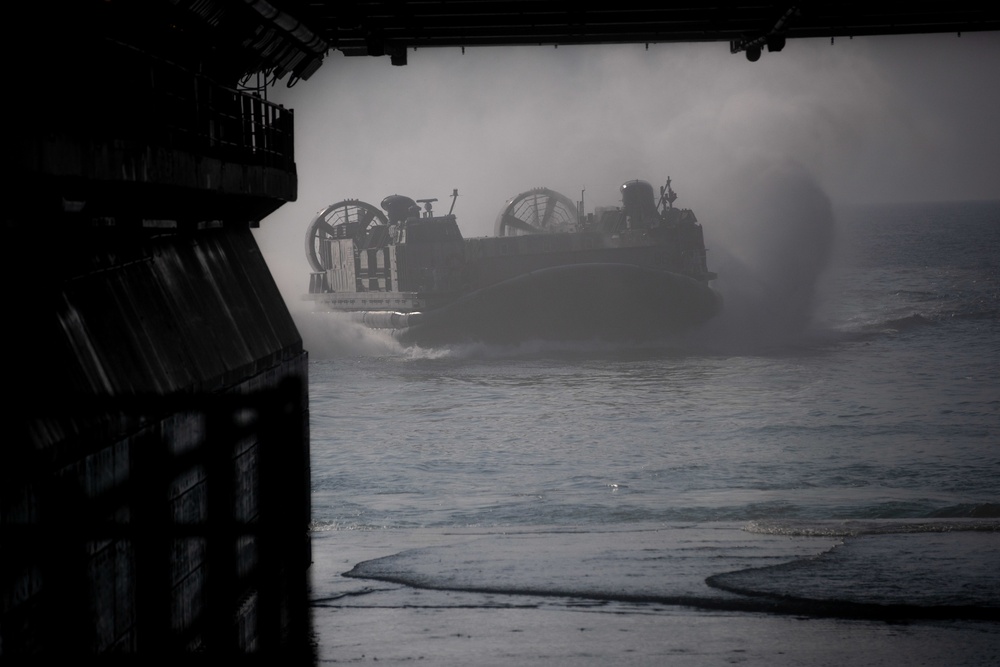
[577,302]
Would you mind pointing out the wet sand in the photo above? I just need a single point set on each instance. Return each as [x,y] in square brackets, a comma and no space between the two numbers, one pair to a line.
[369,621]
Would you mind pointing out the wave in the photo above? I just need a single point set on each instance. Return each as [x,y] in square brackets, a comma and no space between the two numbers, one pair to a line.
[982,511]
[556,349]
[855,528]
[907,323]
[889,571]
[919,574]
[920,320]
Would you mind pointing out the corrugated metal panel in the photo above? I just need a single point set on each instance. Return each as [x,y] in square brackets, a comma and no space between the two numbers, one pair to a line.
[342,273]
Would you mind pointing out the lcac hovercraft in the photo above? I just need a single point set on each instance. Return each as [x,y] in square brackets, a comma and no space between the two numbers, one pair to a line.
[633,272]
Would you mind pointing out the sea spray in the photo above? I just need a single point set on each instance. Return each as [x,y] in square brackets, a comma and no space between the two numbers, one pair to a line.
[771,236]
[329,334]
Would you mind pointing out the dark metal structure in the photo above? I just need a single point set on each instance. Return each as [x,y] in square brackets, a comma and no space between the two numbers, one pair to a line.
[154,484]
[154,500]
[392,27]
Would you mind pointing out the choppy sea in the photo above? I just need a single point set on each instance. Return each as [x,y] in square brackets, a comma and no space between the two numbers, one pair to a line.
[846,467]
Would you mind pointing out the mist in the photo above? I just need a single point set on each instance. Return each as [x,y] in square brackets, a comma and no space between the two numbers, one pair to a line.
[762,152]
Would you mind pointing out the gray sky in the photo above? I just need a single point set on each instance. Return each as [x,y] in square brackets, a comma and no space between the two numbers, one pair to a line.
[873,119]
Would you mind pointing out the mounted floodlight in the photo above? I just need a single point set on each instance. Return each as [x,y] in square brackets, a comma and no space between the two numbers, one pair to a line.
[397,56]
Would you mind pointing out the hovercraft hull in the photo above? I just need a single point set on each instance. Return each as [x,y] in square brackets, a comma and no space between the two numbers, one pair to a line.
[599,301]
[637,272]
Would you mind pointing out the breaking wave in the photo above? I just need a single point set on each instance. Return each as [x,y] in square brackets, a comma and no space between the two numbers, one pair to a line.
[871,570]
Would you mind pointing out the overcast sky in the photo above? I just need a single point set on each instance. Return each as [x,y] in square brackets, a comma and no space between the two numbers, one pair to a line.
[873,119]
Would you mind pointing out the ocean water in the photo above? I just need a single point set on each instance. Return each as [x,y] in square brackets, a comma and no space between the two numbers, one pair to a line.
[845,469]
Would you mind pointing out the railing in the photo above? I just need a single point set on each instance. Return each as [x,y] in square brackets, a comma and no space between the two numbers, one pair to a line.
[125,93]
[201,115]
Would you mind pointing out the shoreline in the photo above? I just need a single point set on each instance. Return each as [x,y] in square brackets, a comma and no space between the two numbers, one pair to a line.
[360,619]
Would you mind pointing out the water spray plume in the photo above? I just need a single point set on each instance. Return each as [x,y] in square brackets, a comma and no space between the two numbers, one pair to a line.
[772,244]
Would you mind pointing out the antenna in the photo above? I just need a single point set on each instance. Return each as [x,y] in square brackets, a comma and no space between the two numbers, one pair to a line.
[667,195]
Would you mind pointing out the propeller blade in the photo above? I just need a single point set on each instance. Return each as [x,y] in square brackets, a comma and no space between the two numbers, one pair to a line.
[517,223]
[365,216]
[550,208]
